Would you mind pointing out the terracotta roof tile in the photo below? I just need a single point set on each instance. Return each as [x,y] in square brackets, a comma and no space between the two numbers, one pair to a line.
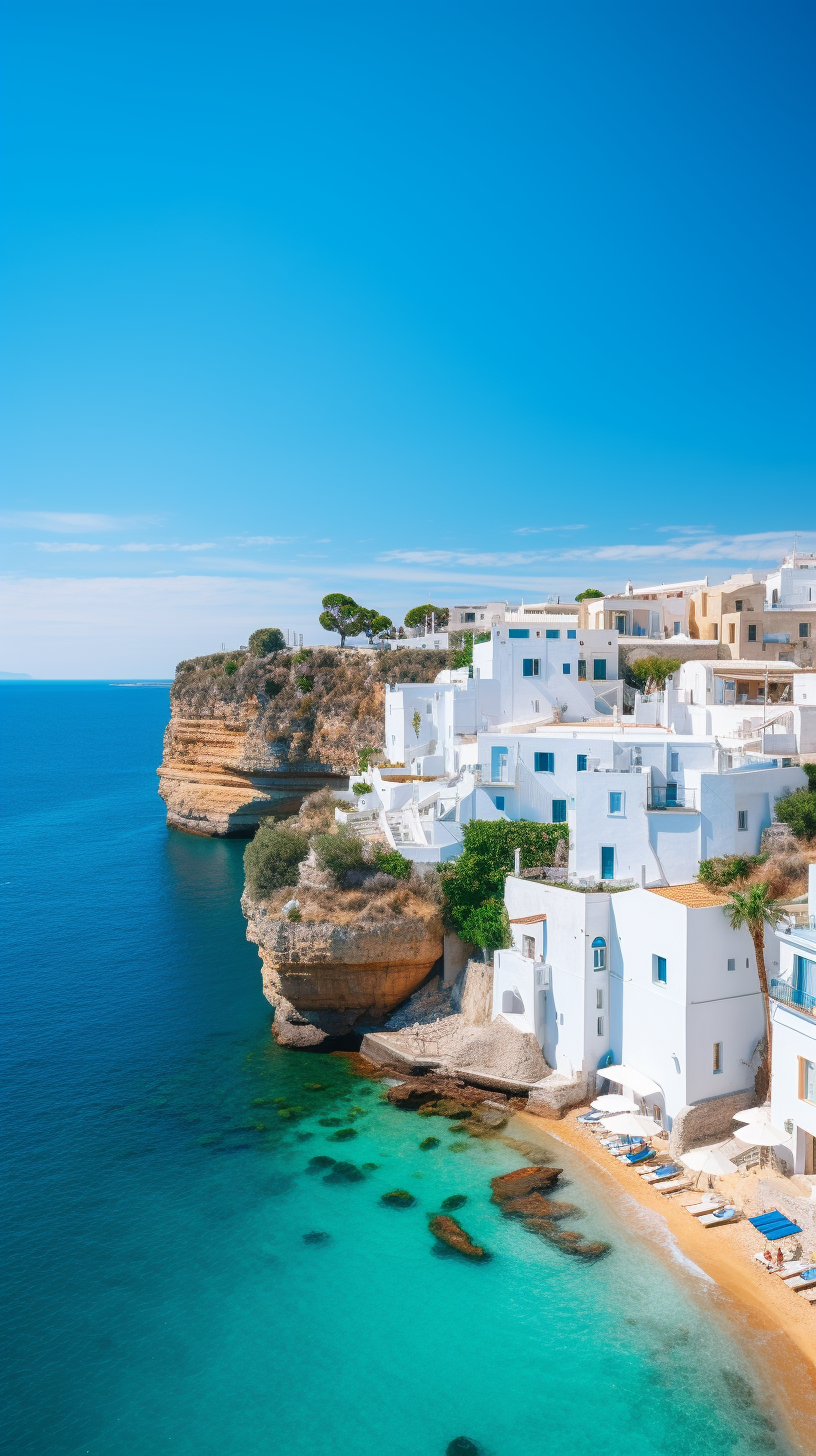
[695,895]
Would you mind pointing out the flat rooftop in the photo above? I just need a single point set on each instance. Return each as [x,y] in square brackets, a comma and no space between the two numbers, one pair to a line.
[695,895]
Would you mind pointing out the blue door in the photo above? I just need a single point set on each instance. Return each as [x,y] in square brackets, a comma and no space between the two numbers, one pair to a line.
[671,793]
[607,862]
[498,765]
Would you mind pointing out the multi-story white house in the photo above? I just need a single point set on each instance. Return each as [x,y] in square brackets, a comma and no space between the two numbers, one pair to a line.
[792,980]
[769,708]
[545,671]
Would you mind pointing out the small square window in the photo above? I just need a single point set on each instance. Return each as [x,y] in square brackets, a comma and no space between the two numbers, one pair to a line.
[674,762]
[470,616]
[500,801]
[544,762]
[531,667]
[571,632]
[742,818]
[581,667]
[599,1000]
[738,606]
[717,1057]
[615,803]
[565,668]
[804,629]
[528,947]
[600,1026]
[559,811]
[659,969]
[580,763]
[752,636]
[553,633]
[732,964]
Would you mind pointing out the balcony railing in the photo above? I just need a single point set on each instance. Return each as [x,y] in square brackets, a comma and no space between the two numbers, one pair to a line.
[672,796]
[791,996]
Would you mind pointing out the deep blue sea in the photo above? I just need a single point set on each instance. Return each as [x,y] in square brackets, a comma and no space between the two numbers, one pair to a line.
[159,1295]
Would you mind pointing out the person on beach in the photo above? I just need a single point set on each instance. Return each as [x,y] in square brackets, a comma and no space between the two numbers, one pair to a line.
[768,1257]
[780,1258]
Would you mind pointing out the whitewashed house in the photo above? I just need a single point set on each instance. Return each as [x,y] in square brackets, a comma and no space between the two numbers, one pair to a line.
[792,981]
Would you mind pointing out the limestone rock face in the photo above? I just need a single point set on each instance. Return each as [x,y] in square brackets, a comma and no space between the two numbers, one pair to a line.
[323,977]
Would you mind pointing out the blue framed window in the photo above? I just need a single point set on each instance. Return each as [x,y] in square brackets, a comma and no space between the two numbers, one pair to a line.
[607,861]
[559,811]
[530,666]
[580,763]
[498,763]
[659,969]
[616,803]
[565,669]
[671,793]
[519,632]
[544,762]
[599,669]
[553,633]
[500,801]
[599,953]
[571,632]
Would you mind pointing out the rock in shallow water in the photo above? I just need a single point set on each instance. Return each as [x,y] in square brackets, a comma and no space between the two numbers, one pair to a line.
[398,1198]
[319,1165]
[342,1135]
[450,1232]
[456,1200]
[428,1143]
[316,1236]
[461,1446]
[524,1181]
[344,1173]
[535,1205]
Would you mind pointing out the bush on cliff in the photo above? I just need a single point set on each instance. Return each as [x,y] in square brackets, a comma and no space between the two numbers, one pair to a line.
[266,640]
[799,809]
[477,877]
[272,858]
[338,853]
[391,862]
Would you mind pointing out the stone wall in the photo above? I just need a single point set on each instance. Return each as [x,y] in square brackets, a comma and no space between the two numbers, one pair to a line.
[705,1122]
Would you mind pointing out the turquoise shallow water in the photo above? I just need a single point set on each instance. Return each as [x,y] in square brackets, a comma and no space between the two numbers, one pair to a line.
[158,1291]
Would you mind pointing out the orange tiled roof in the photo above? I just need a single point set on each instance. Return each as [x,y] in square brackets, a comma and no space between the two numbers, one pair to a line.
[695,895]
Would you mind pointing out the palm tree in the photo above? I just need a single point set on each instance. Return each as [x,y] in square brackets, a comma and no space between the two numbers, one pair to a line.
[754,908]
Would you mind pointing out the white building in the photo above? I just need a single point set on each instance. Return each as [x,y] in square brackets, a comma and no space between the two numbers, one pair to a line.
[654,612]
[751,706]
[654,979]
[551,671]
[792,982]
[793,584]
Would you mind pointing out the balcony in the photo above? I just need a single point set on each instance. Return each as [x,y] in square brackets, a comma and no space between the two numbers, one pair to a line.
[672,796]
[789,995]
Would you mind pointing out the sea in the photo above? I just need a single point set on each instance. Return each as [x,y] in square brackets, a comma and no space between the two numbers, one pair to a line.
[179,1276]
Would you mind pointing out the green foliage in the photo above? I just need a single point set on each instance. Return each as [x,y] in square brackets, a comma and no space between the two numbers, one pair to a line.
[799,809]
[341,614]
[810,770]
[488,926]
[272,688]
[479,873]
[391,862]
[305,683]
[650,673]
[463,656]
[302,656]
[417,616]
[590,591]
[416,722]
[365,757]
[338,853]
[271,859]
[230,667]
[717,874]
[753,908]
[361,789]
[266,640]
[374,624]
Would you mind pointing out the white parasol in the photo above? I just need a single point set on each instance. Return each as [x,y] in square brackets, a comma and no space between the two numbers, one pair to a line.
[760,1134]
[753,1114]
[710,1160]
[632,1124]
[614,1102]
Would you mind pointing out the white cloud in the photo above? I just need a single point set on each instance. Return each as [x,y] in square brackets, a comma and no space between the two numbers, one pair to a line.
[67,522]
[165,546]
[264,540]
[65,546]
[541,530]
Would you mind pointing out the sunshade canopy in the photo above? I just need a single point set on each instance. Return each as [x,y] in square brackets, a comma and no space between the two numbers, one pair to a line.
[760,1135]
[632,1124]
[625,1076]
[753,1114]
[708,1160]
[614,1102]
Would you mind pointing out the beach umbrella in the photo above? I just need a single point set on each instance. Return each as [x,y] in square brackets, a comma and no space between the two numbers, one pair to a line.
[614,1102]
[753,1114]
[760,1134]
[632,1124]
[710,1160]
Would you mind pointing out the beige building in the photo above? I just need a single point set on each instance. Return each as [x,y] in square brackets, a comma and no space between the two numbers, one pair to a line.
[738,616]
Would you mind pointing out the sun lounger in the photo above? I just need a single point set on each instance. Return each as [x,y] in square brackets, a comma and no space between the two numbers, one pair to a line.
[721,1215]
[667,1170]
[792,1268]
[707,1206]
[641,1157]
[801,1281]
[809,1295]
[674,1185]
[591,1117]
[774,1225]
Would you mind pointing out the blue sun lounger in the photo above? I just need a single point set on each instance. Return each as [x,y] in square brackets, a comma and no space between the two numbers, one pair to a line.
[640,1157]
[774,1225]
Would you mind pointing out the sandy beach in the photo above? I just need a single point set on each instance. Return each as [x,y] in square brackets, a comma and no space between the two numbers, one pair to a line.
[772,1317]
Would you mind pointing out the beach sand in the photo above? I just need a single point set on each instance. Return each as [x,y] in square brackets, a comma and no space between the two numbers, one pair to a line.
[779,1325]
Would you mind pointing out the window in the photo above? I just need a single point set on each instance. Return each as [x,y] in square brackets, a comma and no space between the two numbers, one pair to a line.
[732,632]
[752,637]
[528,947]
[620,625]
[544,762]
[704,605]
[716,1057]
[565,669]
[804,629]
[807,1080]
[428,708]
[600,1026]
[581,668]
[732,964]
[553,632]
[559,811]
[519,632]
[571,632]
[469,617]
[599,953]
[500,802]
[599,669]
[715,631]
[580,763]
[599,1000]
[616,803]
[677,629]
[659,970]
[607,862]
[742,818]
[738,606]
[531,667]
[674,761]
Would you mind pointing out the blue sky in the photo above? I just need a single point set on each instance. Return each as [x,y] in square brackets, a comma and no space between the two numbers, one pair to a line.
[411,300]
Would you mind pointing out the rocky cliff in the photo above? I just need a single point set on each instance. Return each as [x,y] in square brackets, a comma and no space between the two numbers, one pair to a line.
[249,737]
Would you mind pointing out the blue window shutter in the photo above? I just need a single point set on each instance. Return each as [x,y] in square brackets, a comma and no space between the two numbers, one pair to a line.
[527,667]
[500,802]
[559,811]
[565,669]
[571,632]
[580,763]
[519,632]
[607,862]
[614,803]
[599,669]
[544,762]
[554,633]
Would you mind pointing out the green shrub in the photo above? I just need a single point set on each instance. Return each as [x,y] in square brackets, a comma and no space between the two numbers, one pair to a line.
[364,759]
[488,926]
[799,811]
[361,788]
[338,853]
[230,667]
[303,655]
[272,688]
[649,673]
[271,859]
[305,683]
[719,873]
[479,873]
[391,862]
[266,640]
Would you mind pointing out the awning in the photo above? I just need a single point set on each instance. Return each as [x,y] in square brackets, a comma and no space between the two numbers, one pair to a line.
[625,1076]
[528,920]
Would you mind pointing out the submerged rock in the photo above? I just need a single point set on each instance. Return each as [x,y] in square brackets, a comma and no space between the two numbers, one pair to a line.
[456,1200]
[535,1206]
[398,1198]
[319,1165]
[343,1134]
[450,1232]
[316,1236]
[428,1143]
[344,1173]
[523,1181]
[461,1446]
[369,1167]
